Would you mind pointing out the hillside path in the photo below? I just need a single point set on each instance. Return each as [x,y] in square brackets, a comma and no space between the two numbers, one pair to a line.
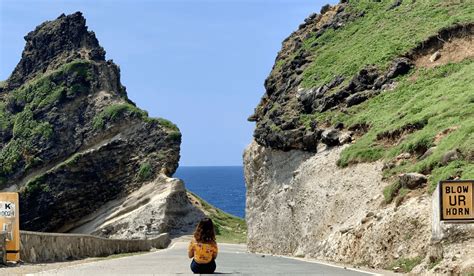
[232,259]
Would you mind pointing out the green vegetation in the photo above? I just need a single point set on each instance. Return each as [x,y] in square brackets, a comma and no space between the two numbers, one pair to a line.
[442,97]
[20,112]
[72,159]
[113,112]
[50,89]
[167,124]
[391,191]
[174,135]
[401,195]
[79,66]
[38,95]
[36,185]
[26,127]
[26,133]
[275,128]
[5,118]
[229,228]
[378,36]
[10,155]
[145,172]
[406,264]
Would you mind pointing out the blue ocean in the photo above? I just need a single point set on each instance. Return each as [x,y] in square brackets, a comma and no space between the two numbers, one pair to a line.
[223,187]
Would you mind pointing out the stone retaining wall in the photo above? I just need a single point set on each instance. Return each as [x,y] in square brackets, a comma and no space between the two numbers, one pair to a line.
[50,247]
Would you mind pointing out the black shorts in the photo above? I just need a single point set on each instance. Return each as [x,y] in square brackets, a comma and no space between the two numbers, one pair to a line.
[208,268]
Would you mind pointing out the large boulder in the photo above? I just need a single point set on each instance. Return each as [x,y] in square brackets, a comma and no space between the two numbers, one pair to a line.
[412,180]
[450,156]
[72,141]
[330,137]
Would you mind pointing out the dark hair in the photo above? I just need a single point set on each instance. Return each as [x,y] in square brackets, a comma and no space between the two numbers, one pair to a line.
[205,231]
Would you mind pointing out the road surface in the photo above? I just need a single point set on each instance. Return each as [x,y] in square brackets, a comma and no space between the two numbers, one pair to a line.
[232,259]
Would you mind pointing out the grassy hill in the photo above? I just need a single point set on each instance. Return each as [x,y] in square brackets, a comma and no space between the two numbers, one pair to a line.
[425,113]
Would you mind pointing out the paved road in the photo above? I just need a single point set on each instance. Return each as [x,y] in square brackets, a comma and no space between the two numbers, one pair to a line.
[232,259]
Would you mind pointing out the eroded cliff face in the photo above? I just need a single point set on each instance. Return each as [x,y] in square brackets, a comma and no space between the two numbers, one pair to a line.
[302,204]
[351,137]
[72,143]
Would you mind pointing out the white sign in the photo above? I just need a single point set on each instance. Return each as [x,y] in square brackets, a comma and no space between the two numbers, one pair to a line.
[7,209]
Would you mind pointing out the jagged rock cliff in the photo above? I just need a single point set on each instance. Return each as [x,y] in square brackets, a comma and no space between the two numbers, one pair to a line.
[77,149]
[368,106]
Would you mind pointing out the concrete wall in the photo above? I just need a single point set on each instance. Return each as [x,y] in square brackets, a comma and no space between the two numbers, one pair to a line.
[48,247]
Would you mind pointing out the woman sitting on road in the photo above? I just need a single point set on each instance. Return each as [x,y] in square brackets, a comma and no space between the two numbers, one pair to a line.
[203,248]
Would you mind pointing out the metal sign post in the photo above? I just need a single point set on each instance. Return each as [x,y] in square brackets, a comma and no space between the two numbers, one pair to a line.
[10,224]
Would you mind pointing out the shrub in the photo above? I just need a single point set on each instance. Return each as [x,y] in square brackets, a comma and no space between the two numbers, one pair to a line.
[10,155]
[167,124]
[406,264]
[113,112]
[79,66]
[391,191]
[174,135]
[5,118]
[145,172]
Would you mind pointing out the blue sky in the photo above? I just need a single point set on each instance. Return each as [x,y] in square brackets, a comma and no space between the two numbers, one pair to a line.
[200,64]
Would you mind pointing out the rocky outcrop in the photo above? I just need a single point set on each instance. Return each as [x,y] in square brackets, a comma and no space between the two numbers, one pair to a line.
[160,206]
[278,115]
[301,204]
[348,90]
[312,208]
[72,142]
[54,43]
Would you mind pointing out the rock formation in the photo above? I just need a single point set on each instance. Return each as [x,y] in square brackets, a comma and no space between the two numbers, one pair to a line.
[78,150]
[352,137]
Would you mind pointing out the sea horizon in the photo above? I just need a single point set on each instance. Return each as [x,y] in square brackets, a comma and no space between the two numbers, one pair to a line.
[221,186]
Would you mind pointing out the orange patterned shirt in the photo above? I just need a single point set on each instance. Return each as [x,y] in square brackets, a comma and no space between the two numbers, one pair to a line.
[203,252]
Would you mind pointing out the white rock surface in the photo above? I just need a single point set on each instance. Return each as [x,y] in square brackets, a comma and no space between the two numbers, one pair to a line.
[159,206]
[337,215]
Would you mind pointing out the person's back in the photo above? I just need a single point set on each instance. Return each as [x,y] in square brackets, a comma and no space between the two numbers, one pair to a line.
[203,248]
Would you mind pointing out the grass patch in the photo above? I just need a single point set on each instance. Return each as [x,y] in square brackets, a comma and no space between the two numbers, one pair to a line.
[229,228]
[275,128]
[26,127]
[36,185]
[113,112]
[167,124]
[174,135]
[391,191]
[5,118]
[10,156]
[406,264]
[440,97]
[395,35]
[23,106]
[145,172]
[51,89]
[21,150]
[80,67]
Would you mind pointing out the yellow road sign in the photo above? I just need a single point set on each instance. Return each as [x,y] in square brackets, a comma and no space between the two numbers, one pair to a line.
[10,223]
[456,200]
